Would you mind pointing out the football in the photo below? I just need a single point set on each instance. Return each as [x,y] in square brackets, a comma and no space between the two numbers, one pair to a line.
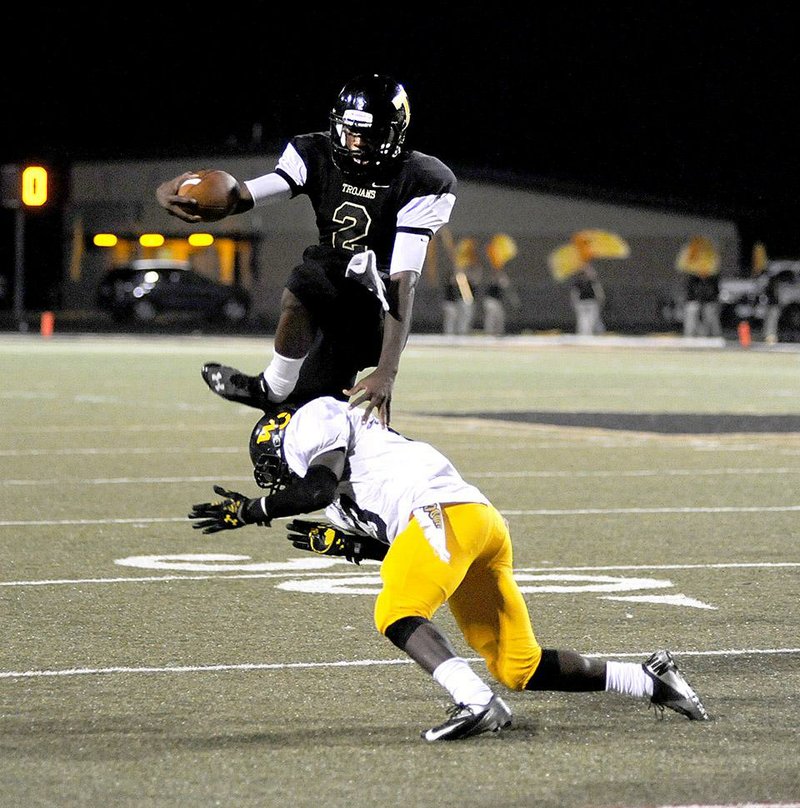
[216,192]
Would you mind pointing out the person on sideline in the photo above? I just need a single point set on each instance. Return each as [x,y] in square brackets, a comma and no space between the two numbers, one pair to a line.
[588,298]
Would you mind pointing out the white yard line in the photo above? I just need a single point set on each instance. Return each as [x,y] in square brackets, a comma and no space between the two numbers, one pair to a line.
[370,571]
[352,663]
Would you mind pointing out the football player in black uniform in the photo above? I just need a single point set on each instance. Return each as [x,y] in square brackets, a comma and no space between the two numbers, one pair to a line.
[348,305]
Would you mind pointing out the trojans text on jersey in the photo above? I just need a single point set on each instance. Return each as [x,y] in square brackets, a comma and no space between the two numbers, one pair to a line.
[354,190]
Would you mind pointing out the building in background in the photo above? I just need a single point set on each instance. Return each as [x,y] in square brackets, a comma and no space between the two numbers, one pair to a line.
[115,201]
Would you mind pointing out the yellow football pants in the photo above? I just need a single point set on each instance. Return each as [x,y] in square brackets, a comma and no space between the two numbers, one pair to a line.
[477,582]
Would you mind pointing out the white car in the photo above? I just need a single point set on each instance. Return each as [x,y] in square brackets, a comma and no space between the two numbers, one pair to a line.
[747,298]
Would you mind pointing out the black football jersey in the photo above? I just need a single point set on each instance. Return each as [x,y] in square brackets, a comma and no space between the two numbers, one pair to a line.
[357,214]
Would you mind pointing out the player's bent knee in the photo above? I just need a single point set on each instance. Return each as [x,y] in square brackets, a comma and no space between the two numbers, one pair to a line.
[389,610]
[515,673]
[386,618]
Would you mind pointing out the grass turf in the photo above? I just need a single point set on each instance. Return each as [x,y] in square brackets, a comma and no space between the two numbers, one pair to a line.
[172,681]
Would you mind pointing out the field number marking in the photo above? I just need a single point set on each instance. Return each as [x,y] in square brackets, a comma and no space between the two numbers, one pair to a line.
[370,584]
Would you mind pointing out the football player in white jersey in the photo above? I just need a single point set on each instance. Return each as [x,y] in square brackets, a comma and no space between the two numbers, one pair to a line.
[440,541]
[348,305]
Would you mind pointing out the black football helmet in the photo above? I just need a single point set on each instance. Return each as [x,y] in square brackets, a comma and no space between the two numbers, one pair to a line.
[374,107]
[266,450]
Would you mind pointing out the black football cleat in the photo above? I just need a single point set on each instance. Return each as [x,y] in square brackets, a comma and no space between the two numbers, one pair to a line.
[233,385]
[671,690]
[465,721]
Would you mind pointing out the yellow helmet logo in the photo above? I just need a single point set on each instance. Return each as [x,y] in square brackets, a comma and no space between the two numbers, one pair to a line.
[280,421]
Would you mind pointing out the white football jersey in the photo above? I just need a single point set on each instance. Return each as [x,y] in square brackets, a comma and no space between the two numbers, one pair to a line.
[387,476]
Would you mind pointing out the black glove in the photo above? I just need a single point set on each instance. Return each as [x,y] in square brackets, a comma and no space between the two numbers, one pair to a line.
[225,514]
[325,539]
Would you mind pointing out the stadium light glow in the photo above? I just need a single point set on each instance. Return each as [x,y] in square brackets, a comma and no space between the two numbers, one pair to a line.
[151,239]
[201,239]
[104,240]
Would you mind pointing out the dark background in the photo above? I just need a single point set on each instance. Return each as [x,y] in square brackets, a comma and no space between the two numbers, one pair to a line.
[673,105]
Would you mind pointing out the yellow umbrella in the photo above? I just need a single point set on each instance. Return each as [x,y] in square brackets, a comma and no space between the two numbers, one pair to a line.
[466,253]
[699,257]
[564,261]
[500,250]
[593,244]
[759,258]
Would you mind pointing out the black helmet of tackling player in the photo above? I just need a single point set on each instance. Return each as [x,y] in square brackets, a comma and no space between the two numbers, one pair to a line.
[266,450]
[373,110]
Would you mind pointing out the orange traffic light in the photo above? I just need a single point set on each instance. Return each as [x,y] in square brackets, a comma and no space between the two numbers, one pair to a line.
[34,186]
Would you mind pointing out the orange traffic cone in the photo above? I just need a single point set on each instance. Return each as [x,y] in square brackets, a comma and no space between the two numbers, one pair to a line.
[47,323]
[744,334]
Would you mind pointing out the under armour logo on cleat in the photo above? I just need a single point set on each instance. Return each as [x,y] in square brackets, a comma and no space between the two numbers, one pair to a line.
[216,378]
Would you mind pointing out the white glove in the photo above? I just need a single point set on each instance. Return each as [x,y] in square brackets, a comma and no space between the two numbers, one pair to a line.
[363,267]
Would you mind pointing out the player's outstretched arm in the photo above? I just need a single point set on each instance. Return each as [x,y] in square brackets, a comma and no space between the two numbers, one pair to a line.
[375,389]
[303,495]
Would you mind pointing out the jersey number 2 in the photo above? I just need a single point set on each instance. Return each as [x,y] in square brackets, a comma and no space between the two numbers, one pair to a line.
[355,223]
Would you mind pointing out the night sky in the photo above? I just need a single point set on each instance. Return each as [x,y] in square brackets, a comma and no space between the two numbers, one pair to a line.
[679,107]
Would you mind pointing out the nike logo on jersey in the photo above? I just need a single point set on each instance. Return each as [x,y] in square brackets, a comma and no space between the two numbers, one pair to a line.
[354,190]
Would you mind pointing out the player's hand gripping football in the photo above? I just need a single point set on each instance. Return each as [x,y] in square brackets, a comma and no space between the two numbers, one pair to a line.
[325,539]
[176,205]
[224,514]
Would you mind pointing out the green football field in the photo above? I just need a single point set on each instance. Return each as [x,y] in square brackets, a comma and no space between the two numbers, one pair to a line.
[654,500]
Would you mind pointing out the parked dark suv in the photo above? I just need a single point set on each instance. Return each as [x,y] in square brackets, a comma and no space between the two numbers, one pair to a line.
[146,288]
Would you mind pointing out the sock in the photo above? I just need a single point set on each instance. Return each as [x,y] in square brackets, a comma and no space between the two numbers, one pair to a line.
[462,683]
[629,679]
[281,376]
